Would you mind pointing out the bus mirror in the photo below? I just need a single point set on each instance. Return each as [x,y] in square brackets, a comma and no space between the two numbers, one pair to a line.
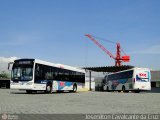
[9,64]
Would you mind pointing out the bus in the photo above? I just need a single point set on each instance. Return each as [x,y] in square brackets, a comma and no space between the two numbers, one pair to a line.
[37,75]
[135,79]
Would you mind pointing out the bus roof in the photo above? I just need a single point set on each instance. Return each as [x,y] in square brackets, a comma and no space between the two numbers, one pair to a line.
[54,65]
[135,68]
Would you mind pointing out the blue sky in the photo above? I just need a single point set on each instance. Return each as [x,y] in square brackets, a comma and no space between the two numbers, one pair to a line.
[53,30]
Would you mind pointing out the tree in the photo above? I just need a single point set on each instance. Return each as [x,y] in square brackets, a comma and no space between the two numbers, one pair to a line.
[3,74]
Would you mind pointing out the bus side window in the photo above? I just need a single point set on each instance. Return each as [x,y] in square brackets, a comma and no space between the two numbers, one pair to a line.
[39,72]
[54,73]
[48,72]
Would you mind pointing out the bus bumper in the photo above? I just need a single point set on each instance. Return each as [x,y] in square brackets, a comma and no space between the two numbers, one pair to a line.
[20,87]
[25,86]
[142,89]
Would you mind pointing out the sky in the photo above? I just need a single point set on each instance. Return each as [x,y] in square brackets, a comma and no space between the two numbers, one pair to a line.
[54,31]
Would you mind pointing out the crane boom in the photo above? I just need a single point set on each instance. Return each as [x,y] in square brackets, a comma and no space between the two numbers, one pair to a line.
[118,59]
[101,46]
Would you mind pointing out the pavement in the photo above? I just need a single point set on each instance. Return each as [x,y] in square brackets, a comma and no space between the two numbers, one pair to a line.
[18,102]
[88,102]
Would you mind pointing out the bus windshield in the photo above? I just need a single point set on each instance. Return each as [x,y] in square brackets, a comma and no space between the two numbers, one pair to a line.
[22,73]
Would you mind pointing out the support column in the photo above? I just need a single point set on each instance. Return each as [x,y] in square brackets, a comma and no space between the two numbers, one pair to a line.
[90,81]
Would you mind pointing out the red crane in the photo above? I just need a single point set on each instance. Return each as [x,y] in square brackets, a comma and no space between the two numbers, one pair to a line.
[118,58]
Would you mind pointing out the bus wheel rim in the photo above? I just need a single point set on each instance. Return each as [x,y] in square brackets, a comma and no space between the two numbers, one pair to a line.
[74,88]
[48,88]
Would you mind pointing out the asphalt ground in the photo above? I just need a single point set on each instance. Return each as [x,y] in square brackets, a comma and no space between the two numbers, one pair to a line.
[90,102]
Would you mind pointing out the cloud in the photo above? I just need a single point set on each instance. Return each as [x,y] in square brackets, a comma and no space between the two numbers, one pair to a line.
[150,50]
[4,63]
[5,59]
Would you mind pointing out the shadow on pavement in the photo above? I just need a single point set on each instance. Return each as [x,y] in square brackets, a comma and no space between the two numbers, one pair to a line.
[154,90]
[40,92]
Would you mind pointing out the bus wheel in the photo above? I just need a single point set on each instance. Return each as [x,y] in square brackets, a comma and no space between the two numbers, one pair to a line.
[123,89]
[29,91]
[108,89]
[49,88]
[127,91]
[137,91]
[74,88]
[103,88]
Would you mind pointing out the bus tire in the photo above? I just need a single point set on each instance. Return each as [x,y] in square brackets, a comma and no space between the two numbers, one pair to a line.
[127,91]
[48,88]
[137,91]
[103,88]
[29,91]
[74,88]
[123,88]
[108,89]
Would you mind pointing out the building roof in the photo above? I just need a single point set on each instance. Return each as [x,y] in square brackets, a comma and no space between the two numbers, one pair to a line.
[109,68]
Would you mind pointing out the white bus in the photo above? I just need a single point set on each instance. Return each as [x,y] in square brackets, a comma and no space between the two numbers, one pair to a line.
[37,75]
[136,79]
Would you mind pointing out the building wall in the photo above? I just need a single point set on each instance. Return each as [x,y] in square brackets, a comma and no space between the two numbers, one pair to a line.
[155,78]
[92,85]
[96,78]
[155,75]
